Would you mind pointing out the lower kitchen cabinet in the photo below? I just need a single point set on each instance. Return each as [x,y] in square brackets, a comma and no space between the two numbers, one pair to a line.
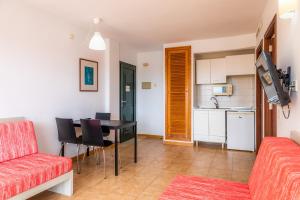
[209,125]
[201,128]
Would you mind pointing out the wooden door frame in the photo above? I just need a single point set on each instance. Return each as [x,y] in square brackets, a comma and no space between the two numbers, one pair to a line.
[259,101]
[270,116]
[188,92]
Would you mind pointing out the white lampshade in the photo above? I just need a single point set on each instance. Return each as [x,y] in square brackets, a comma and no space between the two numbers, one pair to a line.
[97,42]
[287,8]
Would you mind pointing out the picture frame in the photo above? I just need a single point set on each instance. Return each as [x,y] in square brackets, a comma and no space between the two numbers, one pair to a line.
[88,75]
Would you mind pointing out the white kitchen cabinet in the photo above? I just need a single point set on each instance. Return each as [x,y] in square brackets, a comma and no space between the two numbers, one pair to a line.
[217,123]
[203,72]
[218,71]
[240,65]
[209,125]
[200,124]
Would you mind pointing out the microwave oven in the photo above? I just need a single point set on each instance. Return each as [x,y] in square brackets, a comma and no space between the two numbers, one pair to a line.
[222,90]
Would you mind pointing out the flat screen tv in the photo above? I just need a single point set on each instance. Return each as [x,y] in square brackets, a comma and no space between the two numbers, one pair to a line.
[270,79]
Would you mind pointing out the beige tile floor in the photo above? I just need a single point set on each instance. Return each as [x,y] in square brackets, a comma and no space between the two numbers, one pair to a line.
[157,165]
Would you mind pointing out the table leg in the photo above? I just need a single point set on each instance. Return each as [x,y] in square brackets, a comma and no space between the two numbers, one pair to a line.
[135,144]
[87,151]
[116,153]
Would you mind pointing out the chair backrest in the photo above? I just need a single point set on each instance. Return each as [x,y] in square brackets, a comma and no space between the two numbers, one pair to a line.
[276,172]
[92,134]
[66,130]
[17,139]
[104,116]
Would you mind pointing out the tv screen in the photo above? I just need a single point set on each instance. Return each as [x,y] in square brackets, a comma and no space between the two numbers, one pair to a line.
[271,83]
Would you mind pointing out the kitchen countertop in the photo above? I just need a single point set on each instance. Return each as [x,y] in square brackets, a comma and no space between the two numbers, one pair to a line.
[233,109]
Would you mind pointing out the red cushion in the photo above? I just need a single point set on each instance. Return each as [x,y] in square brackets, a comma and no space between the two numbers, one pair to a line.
[184,187]
[276,172]
[17,139]
[24,173]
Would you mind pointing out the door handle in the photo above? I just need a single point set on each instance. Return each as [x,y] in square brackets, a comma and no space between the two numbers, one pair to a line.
[123,101]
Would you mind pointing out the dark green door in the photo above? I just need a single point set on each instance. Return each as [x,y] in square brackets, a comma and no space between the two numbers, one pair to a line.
[127,98]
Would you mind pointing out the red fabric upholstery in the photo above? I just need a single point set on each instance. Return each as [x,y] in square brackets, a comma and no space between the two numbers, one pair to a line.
[276,172]
[17,139]
[21,166]
[275,176]
[24,173]
[198,188]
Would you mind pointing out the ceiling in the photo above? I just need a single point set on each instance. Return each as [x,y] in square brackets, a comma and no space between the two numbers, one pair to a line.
[147,24]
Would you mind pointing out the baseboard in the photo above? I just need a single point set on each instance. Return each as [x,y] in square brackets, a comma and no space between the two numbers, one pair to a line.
[145,135]
[179,143]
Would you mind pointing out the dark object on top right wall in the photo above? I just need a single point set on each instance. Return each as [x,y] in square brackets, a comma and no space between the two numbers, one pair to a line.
[275,82]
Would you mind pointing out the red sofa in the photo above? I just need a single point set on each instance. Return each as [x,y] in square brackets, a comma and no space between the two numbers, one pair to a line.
[275,176]
[24,171]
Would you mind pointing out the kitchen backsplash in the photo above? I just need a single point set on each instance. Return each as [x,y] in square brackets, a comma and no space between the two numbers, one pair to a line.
[243,93]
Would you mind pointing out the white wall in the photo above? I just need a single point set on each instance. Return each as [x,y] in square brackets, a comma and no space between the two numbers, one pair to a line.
[150,103]
[39,71]
[288,54]
[128,54]
[218,44]
[113,76]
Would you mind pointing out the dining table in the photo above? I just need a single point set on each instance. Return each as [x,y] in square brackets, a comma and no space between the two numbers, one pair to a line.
[117,126]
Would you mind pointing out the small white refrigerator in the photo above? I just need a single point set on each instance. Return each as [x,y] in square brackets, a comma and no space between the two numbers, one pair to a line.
[240,130]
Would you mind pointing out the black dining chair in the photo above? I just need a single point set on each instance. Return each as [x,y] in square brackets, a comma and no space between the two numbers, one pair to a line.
[106,130]
[104,116]
[67,134]
[92,136]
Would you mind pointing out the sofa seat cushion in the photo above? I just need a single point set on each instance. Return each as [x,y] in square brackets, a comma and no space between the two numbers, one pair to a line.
[198,188]
[22,174]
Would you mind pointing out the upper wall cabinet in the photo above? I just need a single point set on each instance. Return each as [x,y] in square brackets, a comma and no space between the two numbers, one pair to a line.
[218,70]
[211,71]
[240,65]
[203,72]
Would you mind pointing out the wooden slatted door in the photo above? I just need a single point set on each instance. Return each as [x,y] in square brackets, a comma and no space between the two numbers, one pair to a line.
[178,93]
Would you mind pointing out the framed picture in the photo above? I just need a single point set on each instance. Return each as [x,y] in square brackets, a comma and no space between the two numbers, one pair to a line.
[88,75]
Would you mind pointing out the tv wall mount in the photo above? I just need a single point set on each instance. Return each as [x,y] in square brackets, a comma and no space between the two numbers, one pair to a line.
[285,77]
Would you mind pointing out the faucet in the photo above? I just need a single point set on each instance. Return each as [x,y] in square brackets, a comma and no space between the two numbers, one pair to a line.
[215,102]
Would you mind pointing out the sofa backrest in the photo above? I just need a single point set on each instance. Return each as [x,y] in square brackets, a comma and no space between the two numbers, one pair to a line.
[276,172]
[17,139]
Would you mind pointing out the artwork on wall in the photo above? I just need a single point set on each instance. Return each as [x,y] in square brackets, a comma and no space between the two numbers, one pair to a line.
[88,75]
